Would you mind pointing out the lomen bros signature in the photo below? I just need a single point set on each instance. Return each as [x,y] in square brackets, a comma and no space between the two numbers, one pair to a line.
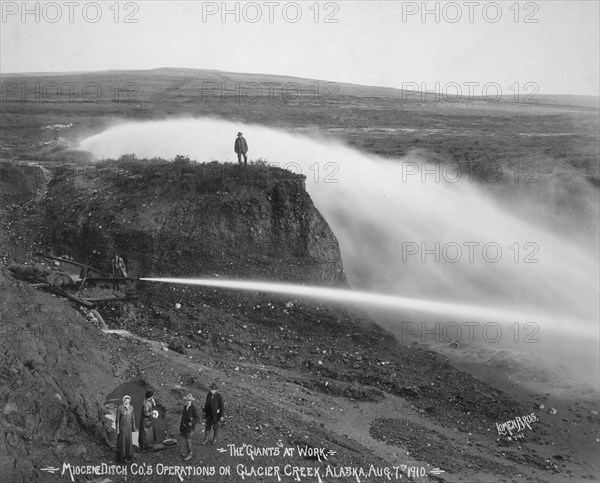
[518,424]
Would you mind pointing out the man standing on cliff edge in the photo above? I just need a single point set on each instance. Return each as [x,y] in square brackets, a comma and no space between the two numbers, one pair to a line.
[241,148]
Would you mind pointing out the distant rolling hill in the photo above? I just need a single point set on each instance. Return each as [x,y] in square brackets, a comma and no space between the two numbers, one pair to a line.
[557,133]
[190,80]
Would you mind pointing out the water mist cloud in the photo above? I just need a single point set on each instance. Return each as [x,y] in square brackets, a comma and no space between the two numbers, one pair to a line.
[399,235]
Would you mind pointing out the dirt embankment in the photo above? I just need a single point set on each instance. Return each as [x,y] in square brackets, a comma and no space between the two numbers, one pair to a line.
[190,220]
[55,368]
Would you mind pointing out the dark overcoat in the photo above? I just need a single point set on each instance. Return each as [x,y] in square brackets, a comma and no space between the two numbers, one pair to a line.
[189,418]
[240,145]
[213,407]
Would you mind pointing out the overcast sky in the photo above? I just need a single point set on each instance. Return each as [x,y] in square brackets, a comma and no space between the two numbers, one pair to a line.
[553,45]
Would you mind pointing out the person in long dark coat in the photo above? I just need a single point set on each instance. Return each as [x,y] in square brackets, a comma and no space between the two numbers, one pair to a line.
[125,425]
[213,412]
[240,146]
[147,421]
[189,418]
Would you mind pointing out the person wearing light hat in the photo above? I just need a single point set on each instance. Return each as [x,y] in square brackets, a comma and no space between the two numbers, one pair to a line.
[125,425]
[241,148]
[189,418]
[213,412]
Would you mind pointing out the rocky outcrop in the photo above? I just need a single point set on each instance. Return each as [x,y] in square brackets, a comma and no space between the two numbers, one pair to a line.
[192,220]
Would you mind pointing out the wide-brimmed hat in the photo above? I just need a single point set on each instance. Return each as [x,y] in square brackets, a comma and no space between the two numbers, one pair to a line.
[213,386]
[189,397]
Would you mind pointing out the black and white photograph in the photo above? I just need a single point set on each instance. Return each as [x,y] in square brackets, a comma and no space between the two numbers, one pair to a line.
[312,241]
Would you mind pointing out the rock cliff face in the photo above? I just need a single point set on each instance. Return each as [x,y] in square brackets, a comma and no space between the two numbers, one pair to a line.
[193,220]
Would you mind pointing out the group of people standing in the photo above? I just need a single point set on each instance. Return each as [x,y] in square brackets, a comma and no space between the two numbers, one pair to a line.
[125,422]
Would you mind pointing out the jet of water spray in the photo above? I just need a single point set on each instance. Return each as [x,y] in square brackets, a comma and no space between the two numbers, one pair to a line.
[464,311]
